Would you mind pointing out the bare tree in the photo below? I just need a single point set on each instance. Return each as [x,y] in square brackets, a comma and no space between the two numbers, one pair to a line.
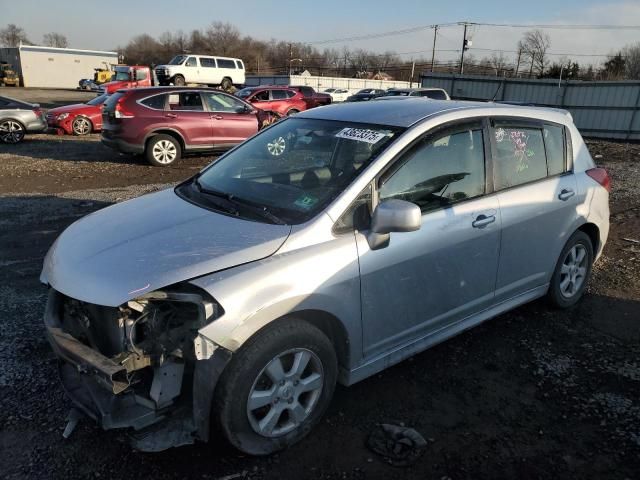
[13,35]
[144,50]
[631,54]
[222,38]
[499,62]
[534,46]
[54,39]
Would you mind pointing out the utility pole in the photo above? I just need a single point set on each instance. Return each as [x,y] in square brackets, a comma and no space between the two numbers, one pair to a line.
[290,56]
[413,69]
[433,51]
[465,46]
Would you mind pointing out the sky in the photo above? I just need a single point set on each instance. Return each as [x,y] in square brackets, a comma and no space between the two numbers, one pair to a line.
[104,25]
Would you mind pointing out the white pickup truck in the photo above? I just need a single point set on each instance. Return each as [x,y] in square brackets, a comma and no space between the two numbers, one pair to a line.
[201,69]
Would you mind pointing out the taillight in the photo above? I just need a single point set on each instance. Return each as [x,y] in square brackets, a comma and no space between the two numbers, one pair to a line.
[121,111]
[601,176]
[37,112]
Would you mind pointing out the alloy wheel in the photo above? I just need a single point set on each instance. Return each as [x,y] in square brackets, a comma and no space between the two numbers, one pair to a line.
[11,131]
[573,271]
[285,392]
[277,147]
[81,126]
[164,151]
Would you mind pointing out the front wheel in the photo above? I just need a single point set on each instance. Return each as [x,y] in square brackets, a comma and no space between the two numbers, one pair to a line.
[81,126]
[163,150]
[572,271]
[276,388]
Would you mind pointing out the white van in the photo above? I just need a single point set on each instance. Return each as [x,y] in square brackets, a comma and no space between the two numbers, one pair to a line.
[203,69]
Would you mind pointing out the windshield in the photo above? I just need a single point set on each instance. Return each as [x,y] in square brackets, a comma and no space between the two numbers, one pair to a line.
[177,60]
[397,93]
[296,167]
[244,93]
[99,100]
[121,75]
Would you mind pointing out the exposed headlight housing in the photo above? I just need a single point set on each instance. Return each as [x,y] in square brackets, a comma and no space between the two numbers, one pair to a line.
[62,116]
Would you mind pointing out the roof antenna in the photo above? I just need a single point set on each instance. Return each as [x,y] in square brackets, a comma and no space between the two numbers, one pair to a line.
[500,85]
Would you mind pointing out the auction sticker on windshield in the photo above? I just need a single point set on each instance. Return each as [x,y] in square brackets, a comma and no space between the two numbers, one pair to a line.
[361,135]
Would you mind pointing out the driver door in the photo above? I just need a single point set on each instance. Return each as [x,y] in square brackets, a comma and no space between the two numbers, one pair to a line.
[446,271]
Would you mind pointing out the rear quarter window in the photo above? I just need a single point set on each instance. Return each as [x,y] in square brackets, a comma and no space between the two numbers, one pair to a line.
[555,147]
[239,65]
[226,63]
[157,102]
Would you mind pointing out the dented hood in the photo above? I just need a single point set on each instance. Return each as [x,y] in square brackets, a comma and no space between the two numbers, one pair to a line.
[141,245]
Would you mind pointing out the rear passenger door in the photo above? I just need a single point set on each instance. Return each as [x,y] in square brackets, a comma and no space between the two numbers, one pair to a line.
[536,191]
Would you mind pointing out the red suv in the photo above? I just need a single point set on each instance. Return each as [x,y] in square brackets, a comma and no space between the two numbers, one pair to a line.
[164,122]
[282,100]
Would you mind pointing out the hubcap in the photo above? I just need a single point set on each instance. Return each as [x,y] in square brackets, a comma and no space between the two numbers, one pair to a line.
[81,126]
[164,151]
[285,392]
[573,271]
[277,146]
[11,132]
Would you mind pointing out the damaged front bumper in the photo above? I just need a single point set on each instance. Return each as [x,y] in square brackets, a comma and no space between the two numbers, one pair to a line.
[159,389]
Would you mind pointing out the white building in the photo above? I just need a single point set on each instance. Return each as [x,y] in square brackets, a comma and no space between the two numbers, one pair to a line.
[49,67]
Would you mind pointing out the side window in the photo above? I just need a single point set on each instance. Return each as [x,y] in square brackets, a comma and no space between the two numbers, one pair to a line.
[239,65]
[262,96]
[141,75]
[435,94]
[218,102]
[156,102]
[278,94]
[191,62]
[225,63]
[289,93]
[439,170]
[185,101]
[519,157]
[207,62]
[554,146]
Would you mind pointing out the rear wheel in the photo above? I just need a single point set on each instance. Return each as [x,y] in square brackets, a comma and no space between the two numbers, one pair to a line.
[572,271]
[178,81]
[276,388]
[82,126]
[163,150]
[226,83]
[11,131]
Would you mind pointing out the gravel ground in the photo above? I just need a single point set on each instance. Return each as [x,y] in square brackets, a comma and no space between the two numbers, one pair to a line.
[534,393]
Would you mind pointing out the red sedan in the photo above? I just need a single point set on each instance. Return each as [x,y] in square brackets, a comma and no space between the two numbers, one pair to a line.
[78,119]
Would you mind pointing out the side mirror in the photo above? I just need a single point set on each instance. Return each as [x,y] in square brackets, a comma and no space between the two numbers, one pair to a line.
[392,216]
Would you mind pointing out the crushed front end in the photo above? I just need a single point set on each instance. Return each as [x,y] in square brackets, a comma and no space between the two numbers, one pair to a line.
[141,366]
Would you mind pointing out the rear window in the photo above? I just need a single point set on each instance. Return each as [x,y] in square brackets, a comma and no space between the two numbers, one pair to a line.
[435,94]
[110,104]
[208,62]
[226,63]
[157,102]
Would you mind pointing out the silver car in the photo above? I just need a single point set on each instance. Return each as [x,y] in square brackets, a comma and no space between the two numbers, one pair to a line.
[17,118]
[324,249]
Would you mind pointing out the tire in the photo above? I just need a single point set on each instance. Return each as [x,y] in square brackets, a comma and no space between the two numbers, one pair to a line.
[163,150]
[178,81]
[293,111]
[287,343]
[81,126]
[226,83]
[572,272]
[11,131]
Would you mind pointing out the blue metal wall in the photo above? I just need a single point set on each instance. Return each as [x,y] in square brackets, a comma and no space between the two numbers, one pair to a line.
[599,109]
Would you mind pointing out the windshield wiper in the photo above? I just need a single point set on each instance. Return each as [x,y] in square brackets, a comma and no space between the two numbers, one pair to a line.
[253,207]
[215,193]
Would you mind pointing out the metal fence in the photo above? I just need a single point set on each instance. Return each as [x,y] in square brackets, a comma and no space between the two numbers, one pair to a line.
[320,83]
[603,109]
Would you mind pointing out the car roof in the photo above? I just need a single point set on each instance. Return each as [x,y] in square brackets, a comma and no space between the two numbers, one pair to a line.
[413,110]
[169,89]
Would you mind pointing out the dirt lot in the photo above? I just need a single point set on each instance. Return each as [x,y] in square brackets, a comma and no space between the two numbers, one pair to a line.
[535,393]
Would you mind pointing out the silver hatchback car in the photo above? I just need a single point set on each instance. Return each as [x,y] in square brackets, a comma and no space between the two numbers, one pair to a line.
[324,249]
[17,118]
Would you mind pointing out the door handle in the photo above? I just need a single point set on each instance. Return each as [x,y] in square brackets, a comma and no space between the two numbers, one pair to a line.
[483,220]
[217,117]
[566,194]
[171,115]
